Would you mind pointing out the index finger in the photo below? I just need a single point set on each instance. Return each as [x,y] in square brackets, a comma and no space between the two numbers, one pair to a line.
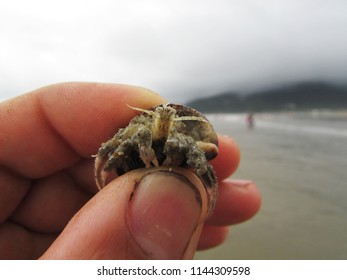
[53,127]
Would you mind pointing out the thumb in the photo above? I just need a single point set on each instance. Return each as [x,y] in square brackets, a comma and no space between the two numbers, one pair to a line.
[144,214]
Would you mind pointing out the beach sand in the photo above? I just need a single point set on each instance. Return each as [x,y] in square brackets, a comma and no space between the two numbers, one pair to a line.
[299,162]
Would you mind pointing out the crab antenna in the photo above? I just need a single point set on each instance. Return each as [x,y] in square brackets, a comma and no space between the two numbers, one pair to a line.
[190,118]
[141,110]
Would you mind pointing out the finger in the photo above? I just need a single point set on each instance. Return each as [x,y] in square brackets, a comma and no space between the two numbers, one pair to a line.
[238,201]
[53,127]
[17,242]
[160,219]
[228,157]
[82,174]
[212,236]
[50,203]
[100,107]
[12,190]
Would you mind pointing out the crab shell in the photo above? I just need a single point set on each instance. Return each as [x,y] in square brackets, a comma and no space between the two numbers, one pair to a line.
[187,122]
[201,131]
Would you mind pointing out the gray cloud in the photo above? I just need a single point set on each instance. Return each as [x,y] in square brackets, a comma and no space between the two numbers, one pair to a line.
[181,49]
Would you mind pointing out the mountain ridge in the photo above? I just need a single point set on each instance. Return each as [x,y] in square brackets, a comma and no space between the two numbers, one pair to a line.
[300,96]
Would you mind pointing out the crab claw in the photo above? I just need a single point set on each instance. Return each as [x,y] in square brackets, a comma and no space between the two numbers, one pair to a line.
[148,156]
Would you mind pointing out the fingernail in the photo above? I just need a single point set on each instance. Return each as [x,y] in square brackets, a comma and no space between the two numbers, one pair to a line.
[164,212]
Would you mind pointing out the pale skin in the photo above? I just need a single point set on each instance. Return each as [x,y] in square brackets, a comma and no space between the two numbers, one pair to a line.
[47,138]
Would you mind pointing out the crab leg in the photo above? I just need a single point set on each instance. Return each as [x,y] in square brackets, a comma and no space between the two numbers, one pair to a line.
[147,154]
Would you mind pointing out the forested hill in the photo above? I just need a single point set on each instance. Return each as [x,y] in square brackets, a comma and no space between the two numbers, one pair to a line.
[314,95]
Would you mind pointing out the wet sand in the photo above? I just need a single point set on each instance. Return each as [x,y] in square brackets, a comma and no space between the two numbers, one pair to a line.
[299,163]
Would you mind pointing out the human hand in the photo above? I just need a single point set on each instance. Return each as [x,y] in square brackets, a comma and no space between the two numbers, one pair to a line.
[48,201]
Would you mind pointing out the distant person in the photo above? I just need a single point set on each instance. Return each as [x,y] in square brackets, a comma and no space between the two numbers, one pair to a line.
[250,120]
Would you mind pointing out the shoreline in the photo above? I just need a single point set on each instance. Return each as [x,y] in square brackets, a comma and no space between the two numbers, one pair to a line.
[301,176]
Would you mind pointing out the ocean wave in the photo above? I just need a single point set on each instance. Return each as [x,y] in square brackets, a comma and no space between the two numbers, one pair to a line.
[321,130]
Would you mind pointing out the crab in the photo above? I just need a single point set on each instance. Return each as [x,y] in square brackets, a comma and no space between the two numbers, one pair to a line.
[166,135]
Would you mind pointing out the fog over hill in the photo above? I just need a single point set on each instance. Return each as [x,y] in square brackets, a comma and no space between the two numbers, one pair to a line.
[302,96]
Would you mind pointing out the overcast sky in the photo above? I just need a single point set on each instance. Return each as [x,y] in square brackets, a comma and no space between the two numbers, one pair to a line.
[181,49]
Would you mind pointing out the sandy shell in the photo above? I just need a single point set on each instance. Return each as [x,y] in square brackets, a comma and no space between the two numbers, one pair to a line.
[169,135]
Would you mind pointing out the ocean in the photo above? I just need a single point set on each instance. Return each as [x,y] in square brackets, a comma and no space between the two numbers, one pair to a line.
[299,162]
